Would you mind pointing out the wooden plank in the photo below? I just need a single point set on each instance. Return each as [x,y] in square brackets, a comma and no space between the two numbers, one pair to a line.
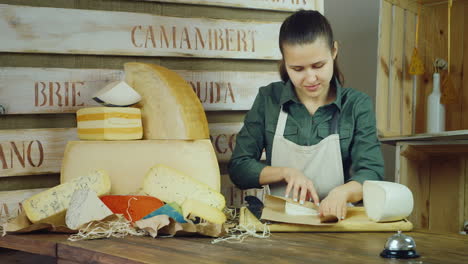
[10,201]
[446,136]
[58,90]
[277,5]
[383,69]
[407,104]
[33,151]
[42,244]
[40,151]
[74,31]
[444,193]
[466,193]
[396,71]
[464,91]
[415,175]
[405,4]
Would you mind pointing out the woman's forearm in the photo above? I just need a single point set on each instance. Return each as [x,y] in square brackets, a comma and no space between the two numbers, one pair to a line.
[352,190]
[271,174]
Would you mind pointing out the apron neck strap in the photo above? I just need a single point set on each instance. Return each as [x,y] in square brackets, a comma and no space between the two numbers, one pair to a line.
[280,126]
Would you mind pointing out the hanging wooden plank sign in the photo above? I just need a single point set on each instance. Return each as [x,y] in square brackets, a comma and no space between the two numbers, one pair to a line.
[279,5]
[56,90]
[40,151]
[74,31]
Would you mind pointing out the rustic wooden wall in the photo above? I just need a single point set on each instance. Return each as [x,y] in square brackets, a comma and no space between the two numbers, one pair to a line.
[11,124]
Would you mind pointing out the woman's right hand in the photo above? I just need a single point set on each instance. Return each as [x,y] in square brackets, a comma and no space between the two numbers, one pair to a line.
[302,188]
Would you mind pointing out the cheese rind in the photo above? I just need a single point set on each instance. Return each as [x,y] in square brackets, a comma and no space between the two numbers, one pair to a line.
[129,161]
[85,206]
[118,94]
[109,123]
[50,206]
[192,208]
[170,108]
[387,201]
[133,207]
[171,185]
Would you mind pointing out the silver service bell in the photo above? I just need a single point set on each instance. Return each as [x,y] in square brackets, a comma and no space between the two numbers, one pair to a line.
[400,246]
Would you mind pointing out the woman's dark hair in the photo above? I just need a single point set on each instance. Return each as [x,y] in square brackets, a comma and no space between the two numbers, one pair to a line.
[304,27]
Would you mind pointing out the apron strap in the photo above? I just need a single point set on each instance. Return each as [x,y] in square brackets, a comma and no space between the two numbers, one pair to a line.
[334,123]
[280,126]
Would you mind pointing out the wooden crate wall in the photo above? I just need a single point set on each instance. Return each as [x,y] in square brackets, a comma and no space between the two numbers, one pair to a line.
[437,174]
[401,97]
[53,59]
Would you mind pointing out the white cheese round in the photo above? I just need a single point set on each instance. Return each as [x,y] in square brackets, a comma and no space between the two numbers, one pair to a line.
[117,93]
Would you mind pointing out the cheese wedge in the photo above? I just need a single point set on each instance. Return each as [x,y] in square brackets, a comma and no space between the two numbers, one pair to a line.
[171,185]
[387,201]
[109,123]
[50,206]
[117,94]
[129,161]
[133,207]
[192,208]
[170,108]
[85,206]
[297,209]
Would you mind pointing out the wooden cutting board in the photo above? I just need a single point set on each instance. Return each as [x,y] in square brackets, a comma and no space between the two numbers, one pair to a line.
[356,221]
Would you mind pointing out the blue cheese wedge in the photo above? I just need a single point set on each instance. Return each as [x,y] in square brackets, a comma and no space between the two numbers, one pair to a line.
[50,206]
[85,206]
[171,185]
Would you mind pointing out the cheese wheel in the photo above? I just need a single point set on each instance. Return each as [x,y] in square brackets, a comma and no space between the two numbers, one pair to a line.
[50,206]
[170,108]
[387,201]
[109,123]
[117,93]
[129,161]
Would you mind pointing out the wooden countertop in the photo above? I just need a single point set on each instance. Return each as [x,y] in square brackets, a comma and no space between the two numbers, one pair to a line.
[279,248]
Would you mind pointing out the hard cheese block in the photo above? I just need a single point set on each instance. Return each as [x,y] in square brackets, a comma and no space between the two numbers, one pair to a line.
[170,108]
[129,161]
[50,206]
[85,206]
[133,207]
[192,208]
[109,123]
[171,185]
[117,93]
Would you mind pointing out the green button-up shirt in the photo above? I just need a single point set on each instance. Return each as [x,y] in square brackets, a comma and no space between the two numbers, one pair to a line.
[360,148]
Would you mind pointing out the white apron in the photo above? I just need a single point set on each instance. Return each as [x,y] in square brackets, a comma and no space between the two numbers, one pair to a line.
[321,162]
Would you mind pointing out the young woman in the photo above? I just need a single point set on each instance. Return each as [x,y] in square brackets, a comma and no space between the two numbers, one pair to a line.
[320,139]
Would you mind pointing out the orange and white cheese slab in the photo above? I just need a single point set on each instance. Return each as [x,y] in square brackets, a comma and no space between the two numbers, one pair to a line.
[109,123]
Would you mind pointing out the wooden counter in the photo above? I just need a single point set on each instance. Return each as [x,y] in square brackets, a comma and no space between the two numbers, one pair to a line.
[279,248]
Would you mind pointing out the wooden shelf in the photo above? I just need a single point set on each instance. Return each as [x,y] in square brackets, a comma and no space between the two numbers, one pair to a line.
[444,136]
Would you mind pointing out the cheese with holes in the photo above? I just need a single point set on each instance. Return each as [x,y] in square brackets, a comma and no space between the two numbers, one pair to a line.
[133,207]
[117,93]
[85,206]
[387,201]
[170,108]
[109,123]
[172,185]
[129,161]
[50,206]
[194,208]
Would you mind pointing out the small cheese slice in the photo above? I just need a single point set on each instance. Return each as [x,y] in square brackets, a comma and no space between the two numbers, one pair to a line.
[170,108]
[171,185]
[85,206]
[117,94]
[296,209]
[129,161]
[193,208]
[387,201]
[109,123]
[133,207]
[169,210]
[50,206]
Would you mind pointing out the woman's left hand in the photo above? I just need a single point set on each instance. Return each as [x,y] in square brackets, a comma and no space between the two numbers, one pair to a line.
[334,204]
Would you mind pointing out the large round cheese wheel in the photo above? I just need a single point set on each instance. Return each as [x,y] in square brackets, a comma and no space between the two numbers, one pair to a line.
[387,201]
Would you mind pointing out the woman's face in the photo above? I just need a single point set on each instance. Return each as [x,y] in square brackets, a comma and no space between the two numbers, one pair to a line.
[310,68]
